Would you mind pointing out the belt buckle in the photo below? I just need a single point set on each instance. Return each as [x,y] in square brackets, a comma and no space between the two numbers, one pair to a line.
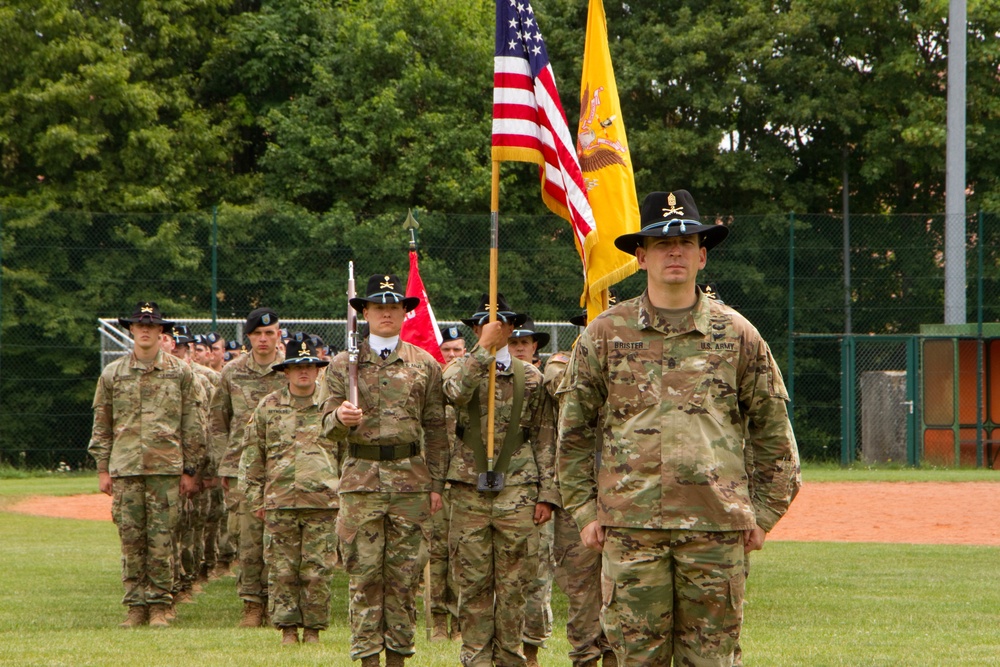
[491,480]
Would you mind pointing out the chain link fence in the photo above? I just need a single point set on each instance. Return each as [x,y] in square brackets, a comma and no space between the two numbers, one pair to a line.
[64,271]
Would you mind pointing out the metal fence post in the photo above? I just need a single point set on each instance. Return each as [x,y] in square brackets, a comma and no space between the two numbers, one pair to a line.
[979,343]
[790,383]
[215,266]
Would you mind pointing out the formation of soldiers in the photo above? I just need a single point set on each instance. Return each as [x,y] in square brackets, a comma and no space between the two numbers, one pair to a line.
[274,462]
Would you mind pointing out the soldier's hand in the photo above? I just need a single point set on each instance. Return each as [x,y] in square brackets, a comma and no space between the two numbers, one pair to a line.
[210,482]
[753,539]
[592,536]
[260,514]
[349,414]
[189,485]
[543,512]
[104,483]
[436,502]
[494,335]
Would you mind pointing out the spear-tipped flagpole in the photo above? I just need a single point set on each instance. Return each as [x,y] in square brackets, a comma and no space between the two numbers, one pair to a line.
[494,261]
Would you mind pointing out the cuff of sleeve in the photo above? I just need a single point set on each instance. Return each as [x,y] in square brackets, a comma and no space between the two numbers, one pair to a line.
[437,486]
[335,429]
[102,466]
[585,515]
[550,496]
[766,518]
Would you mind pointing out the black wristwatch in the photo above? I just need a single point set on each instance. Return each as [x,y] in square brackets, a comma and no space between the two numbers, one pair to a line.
[190,472]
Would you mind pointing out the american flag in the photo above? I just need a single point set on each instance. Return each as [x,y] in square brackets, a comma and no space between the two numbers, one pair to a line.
[528,120]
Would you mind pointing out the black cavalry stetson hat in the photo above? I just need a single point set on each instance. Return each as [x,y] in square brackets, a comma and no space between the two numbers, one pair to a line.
[300,349]
[504,314]
[671,214]
[146,312]
[528,329]
[384,288]
[581,319]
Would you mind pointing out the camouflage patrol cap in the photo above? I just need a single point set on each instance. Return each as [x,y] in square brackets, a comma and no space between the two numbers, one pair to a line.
[671,214]
[301,350]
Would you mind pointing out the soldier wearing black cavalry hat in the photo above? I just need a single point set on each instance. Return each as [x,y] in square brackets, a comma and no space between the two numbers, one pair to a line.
[148,441]
[677,375]
[393,474]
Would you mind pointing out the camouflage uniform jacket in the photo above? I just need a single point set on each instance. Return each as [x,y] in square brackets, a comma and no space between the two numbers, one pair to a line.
[533,463]
[401,401]
[287,462]
[672,456]
[244,382]
[147,420]
[206,389]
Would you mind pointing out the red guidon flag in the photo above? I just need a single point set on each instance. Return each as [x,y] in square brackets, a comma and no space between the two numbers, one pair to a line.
[420,328]
[529,124]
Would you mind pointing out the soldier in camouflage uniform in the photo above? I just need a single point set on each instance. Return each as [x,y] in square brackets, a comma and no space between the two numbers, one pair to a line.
[493,542]
[444,600]
[289,475]
[148,440]
[670,507]
[524,343]
[244,382]
[390,484]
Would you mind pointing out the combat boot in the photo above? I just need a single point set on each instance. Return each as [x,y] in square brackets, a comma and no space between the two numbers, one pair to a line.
[370,661]
[137,616]
[171,612]
[310,636]
[439,629]
[609,660]
[393,659]
[253,614]
[158,616]
[587,663]
[531,655]
[289,635]
[456,630]
[184,597]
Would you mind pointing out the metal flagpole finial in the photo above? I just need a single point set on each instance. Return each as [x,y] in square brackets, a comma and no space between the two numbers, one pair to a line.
[412,225]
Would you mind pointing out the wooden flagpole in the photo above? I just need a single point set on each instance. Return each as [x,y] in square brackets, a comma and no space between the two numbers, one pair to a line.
[494,261]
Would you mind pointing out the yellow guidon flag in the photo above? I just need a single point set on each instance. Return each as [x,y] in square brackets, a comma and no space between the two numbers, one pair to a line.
[607,168]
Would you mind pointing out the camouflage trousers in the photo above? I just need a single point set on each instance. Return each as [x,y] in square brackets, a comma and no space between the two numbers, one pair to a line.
[538,595]
[182,546]
[300,547]
[214,515]
[252,582]
[578,573]
[144,509]
[384,546]
[442,586]
[672,595]
[492,549]
[229,526]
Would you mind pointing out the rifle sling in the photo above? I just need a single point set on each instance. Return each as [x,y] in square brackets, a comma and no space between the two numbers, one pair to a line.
[473,436]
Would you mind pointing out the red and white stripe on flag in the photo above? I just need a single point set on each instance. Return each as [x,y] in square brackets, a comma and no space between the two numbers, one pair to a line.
[529,124]
[419,327]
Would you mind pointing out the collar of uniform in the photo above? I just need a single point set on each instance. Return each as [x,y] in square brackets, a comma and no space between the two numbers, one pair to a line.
[263,370]
[699,318]
[286,397]
[156,363]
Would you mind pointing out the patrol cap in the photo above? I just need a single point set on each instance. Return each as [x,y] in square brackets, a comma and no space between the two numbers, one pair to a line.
[504,314]
[317,341]
[146,312]
[528,329]
[260,317]
[181,334]
[233,345]
[384,288]
[300,350]
[449,334]
[671,214]
[199,339]
[212,338]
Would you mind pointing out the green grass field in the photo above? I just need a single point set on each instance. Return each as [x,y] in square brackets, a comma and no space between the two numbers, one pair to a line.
[808,603]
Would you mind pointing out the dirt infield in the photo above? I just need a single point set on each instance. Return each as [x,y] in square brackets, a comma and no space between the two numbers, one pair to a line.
[915,513]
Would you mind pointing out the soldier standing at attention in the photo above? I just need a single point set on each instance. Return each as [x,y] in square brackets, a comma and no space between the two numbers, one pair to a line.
[289,474]
[147,441]
[444,601]
[389,484]
[244,382]
[524,343]
[670,506]
[493,541]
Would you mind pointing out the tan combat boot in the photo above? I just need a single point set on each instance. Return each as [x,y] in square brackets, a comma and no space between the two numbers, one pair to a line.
[531,655]
[184,597]
[393,659]
[456,630]
[171,611]
[158,616]
[370,661]
[609,660]
[310,636]
[289,635]
[253,614]
[137,617]
[439,628]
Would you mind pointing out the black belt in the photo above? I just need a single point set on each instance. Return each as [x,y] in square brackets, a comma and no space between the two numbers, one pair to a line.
[384,452]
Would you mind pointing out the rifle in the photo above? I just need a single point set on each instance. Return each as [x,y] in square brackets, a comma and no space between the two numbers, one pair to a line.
[352,339]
